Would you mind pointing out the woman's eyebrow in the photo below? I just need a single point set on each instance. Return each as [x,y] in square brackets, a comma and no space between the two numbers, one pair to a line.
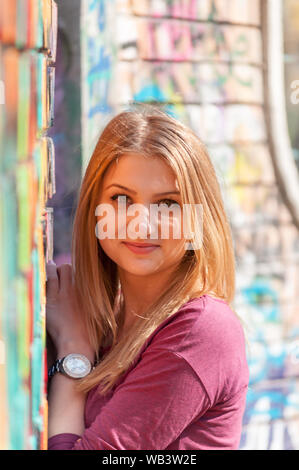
[134,192]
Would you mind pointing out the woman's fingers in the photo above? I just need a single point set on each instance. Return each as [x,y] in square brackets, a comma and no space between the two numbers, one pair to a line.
[59,279]
[52,285]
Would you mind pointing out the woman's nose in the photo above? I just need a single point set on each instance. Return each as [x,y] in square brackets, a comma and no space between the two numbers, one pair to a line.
[145,227]
[141,226]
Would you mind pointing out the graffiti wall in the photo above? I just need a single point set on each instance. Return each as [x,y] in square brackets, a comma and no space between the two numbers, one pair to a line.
[291,50]
[27,181]
[98,55]
[203,59]
[66,129]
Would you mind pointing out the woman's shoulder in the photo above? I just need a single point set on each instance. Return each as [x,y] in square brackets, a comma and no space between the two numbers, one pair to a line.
[207,333]
[215,319]
[200,320]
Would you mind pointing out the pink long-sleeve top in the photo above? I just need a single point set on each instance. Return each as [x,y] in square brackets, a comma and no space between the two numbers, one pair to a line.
[185,390]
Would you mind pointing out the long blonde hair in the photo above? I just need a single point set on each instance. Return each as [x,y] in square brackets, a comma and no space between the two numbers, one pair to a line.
[149,131]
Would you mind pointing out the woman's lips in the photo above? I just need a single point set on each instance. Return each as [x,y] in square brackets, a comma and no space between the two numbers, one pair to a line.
[140,248]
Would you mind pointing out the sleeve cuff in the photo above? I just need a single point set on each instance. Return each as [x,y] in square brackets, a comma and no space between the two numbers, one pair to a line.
[63,441]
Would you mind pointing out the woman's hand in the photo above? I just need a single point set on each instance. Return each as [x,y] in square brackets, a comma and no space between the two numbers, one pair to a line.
[64,323]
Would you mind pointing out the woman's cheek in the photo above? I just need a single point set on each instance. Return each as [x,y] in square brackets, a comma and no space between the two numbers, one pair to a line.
[109,248]
[175,240]
[174,251]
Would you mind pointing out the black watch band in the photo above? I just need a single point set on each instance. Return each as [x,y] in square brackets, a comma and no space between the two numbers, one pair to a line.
[55,368]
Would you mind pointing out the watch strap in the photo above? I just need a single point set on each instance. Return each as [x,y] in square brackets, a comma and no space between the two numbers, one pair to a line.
[55,367]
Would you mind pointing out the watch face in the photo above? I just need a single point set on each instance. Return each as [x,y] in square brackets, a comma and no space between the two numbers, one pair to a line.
[76,365]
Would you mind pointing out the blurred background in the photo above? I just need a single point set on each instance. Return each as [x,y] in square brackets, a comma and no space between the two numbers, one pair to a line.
[227,68]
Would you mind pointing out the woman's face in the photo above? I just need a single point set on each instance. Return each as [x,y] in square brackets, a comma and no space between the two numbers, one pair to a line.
[150,182]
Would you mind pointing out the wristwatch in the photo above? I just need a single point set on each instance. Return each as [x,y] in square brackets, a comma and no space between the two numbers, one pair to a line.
[73,365]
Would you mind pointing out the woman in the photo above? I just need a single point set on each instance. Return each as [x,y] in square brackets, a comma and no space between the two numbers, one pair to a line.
[151,307]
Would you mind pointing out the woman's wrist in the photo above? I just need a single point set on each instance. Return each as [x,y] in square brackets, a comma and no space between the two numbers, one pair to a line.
[69,346]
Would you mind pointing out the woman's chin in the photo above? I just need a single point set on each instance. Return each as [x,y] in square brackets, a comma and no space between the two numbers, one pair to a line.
[140,267]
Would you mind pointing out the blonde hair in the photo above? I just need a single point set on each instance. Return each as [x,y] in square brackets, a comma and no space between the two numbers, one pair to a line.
[149,131]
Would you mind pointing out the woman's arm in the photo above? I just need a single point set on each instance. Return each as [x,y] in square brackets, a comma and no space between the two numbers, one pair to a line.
[68,333]
[150,409]
[66,406]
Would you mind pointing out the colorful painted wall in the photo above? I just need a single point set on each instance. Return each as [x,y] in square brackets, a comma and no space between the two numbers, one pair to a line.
[66,129]
[27,181]
[291,49]
[204,60]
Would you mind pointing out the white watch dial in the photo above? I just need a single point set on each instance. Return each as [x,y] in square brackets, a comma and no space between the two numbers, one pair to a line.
[76,365]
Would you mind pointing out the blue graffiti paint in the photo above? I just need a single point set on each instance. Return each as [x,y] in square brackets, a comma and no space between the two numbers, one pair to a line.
[92,5]
[150,92]
[268,364]
[259,291]
[153,92]
[101,12]
[103,106]
[102,15]
[98,80]
[277,401]
[102,68]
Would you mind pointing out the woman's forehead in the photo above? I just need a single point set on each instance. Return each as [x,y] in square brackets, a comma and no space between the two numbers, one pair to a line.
[134,166]
[141,173]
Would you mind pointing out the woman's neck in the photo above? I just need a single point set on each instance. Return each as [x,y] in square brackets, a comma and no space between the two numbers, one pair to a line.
[139,292]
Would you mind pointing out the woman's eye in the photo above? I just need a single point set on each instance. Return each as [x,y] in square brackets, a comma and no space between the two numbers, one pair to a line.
[168,202]
[124,197]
